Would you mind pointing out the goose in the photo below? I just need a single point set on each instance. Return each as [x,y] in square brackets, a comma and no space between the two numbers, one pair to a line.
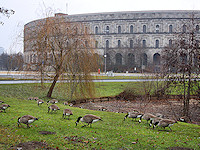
[147,117]
[39,101]
[1,102]
[27,119]
[4,107]
[159,115]
[185,119]
[154,121]
[166,123]
[67,112]
[33,98]
[89,119]
[66,103]
[132,115]
[30,98]
[53,101]
[53,108]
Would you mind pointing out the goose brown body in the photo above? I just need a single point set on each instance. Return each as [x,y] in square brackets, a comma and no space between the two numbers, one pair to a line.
[4,107]
[166,123]
[53,108]
[1,102]
[27,119]
[67,112]
[39,102]
[147,117]
[53,101]
[133,114]
[89,119]
[154,121]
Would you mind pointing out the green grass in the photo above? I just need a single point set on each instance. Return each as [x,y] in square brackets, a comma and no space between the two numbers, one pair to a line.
[111,133]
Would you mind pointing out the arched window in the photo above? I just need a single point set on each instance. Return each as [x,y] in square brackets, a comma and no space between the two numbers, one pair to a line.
[108,60]
[157,43]
[119,43]
[183,58]
[144,43]
[96,30]
[170,28]
[107,30]
[131,43]
[131,60]
[157,28]
[86,30]
[86,43]
[144,28]
[170,43]
[119,29]
[156,59]
[67,44]
[118,58]
[184,28]
[107,44]
[143,59]
[131,29]
[197,28]
[96,44]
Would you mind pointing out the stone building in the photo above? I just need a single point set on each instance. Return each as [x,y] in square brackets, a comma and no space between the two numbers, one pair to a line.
[130,41]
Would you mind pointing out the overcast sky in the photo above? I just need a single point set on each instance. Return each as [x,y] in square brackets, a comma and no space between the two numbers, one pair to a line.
[29,10]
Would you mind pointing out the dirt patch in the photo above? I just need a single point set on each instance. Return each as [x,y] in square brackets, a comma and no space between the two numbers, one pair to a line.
[170,108]
[46,132]
[31,146]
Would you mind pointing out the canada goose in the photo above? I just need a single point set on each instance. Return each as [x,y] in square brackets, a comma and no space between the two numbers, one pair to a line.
[39,101]
[147,117]
[89,119]
[132,115]
[30,98]
[159,115]
[185,119]
[4,107]
[67,112]
[66,103]
[1,102]
[33,98]
[154,121]
[70,104]
[166,123]
[101,108]
[53,101]
[53,108]
[27,119]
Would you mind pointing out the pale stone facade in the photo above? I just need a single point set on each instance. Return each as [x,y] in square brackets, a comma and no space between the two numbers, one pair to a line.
[126,36]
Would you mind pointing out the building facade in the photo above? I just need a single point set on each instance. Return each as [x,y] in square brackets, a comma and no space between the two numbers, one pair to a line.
[129,41]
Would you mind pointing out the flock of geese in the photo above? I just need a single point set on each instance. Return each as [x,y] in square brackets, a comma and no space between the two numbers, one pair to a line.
[154,120]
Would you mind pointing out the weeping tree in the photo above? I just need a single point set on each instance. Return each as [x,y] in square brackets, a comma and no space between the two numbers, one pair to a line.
[181,61]
[64,48]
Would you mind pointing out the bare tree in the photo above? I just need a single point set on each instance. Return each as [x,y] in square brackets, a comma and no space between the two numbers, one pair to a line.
[6,12]
[65,48]
[181,60]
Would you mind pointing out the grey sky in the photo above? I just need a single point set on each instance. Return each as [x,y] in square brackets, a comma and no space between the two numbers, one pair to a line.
[28,10]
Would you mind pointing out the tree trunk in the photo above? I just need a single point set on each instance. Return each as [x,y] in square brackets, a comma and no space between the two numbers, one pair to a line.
[187,100]
[53,85]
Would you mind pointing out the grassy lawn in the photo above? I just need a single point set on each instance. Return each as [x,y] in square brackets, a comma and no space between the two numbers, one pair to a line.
[111,133]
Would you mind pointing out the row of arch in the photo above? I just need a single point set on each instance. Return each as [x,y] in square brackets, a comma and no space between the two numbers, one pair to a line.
[144,29]
[144,45]
[131,59]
